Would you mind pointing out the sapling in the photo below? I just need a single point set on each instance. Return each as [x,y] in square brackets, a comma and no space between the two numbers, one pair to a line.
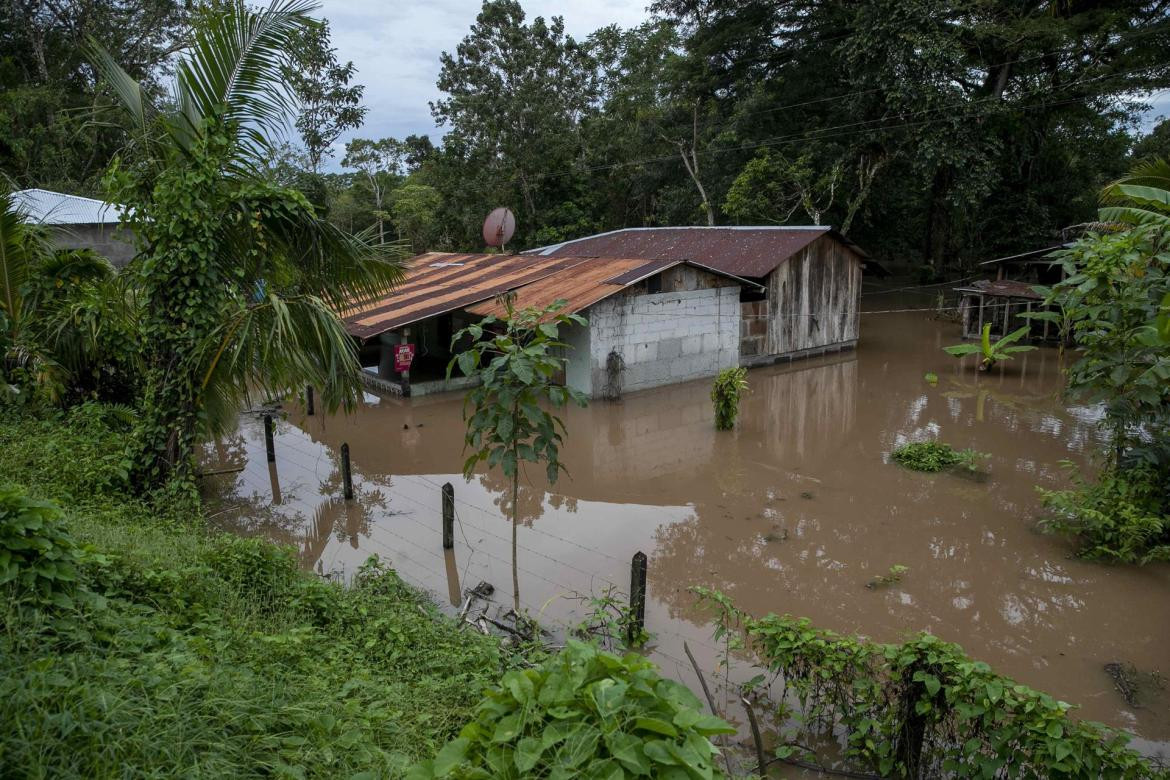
[515,360]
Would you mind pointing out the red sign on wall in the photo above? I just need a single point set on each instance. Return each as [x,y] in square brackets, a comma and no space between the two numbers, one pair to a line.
[403,355]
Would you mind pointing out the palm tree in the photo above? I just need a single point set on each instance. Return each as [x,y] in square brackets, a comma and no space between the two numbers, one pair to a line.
[54,309]
[240,279]
[1140,198]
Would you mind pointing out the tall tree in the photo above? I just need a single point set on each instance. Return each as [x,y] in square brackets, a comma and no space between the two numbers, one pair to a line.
[239,277]
[329,104]
[515,95]
[380,164]
[48,93]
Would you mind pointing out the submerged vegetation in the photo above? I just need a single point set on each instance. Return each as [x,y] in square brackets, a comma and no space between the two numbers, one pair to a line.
[933,457]
[992,352]
[730,384]
[921,708]
[135,643]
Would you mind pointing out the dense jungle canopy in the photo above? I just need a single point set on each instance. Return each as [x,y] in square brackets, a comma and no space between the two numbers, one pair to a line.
[937,133]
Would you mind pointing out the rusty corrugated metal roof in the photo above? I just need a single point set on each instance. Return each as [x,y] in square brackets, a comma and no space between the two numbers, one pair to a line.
[743,251]
[438,282]
[580,286]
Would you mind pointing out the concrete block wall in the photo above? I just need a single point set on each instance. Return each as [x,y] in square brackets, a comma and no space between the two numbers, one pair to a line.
[664,338]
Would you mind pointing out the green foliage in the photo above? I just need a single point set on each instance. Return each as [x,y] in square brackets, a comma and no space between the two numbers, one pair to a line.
[1123,516]
[516,361]
[935,456]
[584,713]
[923,708]
[516,365]
[181,653]
[992,352]
[729,385]
[1116,299]
[240,279]
[892,577]
[329,104]
[609,622]
[38,558]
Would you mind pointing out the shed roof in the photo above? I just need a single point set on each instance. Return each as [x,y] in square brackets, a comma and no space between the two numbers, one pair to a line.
[438,283]
[1003,288]
[744,251]
[56,208]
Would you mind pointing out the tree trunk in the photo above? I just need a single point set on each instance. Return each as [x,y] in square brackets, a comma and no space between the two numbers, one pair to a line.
[515,569]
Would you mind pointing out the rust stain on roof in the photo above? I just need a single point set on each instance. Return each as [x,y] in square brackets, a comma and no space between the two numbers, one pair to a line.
[743,251]
[438,282]
[579,286]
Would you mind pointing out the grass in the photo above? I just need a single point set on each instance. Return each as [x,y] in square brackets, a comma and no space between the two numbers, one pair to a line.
[180,652]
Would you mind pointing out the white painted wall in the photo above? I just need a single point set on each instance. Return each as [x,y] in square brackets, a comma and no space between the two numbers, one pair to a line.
[664,338]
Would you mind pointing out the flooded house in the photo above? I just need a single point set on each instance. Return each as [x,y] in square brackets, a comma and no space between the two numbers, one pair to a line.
[75,222]
[651,322]
[808,279]
[999,301]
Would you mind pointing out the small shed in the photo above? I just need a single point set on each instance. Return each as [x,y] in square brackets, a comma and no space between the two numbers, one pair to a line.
[651,322]
[78,223]
[807,301]
[1000,301]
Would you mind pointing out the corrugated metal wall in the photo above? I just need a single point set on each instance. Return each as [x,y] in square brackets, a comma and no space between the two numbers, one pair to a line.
[813,298]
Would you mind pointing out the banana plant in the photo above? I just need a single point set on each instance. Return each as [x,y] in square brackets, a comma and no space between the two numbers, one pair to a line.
[992,352]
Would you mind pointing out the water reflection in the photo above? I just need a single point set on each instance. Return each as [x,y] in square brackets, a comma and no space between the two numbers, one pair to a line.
[795,511]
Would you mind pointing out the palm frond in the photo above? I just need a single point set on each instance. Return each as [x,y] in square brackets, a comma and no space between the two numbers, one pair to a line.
[274,346]
[1132,215]
[126,89]
[23,247]
[306,254]
[234,70]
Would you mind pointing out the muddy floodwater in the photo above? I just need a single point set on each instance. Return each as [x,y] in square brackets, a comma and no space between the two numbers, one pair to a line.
[794,511]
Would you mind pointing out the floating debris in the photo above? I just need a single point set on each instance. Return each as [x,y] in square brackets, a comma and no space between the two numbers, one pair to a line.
[1132,683]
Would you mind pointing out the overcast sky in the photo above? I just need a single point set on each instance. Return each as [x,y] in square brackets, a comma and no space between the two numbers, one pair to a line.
[396,46]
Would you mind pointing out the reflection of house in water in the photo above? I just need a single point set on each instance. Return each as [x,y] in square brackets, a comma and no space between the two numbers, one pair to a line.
[1000,301]
[803,411]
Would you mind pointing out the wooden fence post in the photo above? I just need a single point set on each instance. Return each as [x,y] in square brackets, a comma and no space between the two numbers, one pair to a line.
[269,444]
[309,399]
[448,516]
[346,474]
[637,622]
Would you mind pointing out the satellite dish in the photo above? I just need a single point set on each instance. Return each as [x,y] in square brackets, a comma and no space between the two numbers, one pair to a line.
[499,227]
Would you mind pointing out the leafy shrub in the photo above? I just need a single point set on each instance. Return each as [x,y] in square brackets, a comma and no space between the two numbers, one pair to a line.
[729,385]
[584,713]
[923,708]
[38,558]
[1124,516]
[934,456]
[161,664]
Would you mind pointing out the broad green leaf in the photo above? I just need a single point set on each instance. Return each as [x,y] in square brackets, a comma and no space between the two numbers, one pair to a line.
[528,752]
[655,725]
[451,756]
